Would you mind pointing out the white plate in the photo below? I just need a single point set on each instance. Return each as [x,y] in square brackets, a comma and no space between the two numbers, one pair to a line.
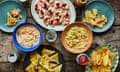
[57,27]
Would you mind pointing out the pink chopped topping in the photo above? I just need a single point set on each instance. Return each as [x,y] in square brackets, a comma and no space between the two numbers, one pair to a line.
[38,10]
[57,20]
[51,21]
[45,5]
[57,13]
[36,7]
[47,19]
[66,14]
[65,6]
[57,4]
[51,11]
[48,0]
[42,12]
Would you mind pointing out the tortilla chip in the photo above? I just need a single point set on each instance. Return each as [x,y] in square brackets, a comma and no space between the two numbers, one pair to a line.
[30,68]
[55,58]
[58,68]
[41,69]
[52,65]
[47,52]
[45,60]
[35,59]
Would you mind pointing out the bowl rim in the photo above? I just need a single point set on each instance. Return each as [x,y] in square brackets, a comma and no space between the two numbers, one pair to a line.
[25,49]
[54,33]
[109,24]
[77,51]
[79,55]
[24,18]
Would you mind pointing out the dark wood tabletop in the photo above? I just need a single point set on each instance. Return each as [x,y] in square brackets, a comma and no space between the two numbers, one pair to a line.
[112,36]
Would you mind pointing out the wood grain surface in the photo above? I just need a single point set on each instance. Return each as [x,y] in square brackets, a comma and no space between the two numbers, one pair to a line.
[112,36]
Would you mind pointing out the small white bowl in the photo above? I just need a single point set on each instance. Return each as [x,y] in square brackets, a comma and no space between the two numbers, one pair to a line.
[51,36]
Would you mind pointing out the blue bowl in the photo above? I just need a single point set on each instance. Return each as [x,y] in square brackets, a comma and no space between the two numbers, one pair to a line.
[103,8]
[22,48]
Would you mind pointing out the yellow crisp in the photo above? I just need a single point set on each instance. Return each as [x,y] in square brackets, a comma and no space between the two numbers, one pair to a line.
[77,37]
[92,18]
[14,16]
[47,52]
[101,60]
[44,62]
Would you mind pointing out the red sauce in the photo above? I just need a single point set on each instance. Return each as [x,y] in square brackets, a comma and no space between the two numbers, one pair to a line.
[36,7]
[83,59]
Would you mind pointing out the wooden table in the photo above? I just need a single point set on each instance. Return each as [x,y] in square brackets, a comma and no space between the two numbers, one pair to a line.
[112,36]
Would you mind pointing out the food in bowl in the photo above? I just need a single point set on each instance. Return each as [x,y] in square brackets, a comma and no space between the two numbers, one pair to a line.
[51,36]
[53,12]
[27,36]
[82,59]
[93,19]
[14,16]
[47,61]
[77,38]
[101,60]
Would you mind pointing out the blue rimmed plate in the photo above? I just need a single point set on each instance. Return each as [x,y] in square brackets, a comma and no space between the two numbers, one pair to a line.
[103,8]
[6,7]
[114,62]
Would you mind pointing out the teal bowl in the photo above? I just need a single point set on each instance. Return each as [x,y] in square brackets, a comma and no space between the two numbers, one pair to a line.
[103,8]
[6,7]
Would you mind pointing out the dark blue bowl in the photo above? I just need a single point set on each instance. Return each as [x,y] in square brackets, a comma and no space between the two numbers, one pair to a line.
[22,48]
